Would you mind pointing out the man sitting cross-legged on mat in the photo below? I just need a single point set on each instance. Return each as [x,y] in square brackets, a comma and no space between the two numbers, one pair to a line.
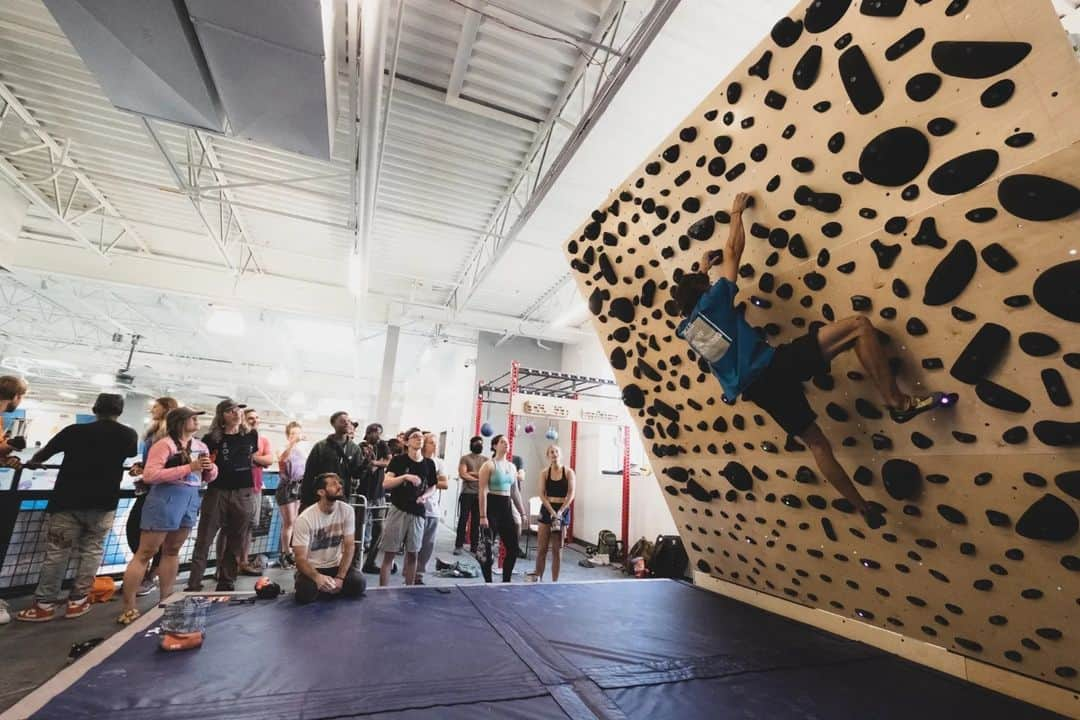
[323,545]
[772,377]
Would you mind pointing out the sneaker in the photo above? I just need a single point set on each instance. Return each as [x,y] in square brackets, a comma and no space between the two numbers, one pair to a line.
[225,587]
[146,587]
[77,608]
[36,613]
[920,405]
[5,613]
[250,571]
[370,569]
[458,551]
[419,580]
[393,569]
[522,555]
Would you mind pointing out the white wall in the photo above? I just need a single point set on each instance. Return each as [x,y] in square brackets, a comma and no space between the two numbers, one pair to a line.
[599,496]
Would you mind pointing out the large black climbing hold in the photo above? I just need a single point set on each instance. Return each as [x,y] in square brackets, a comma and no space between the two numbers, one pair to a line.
[998,94]
[1058,434]
[596,300]
[633,397]
[963,172]
[825,202]
[1000,397]
[899,48]
[998,258]
[928,235]
[760,69]
[1037,197]
[886,254]
[977,59]
[951,275]
[702,229]
[806,70]
[823,14]
[1055,387]
[1057,291]
[622,309]
[882,8]
[902,479]
[738,476]
[786,31]
[1038,344]
[859,81]
[982,353]
[1048,518]
[895,157]
[1069,482]
[696,491]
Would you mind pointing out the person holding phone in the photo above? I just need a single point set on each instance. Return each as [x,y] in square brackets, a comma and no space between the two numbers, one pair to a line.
[176,466]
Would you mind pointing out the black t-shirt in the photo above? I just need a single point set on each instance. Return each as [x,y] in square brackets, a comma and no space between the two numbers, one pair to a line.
[234,459]
[93,465]
[404,496]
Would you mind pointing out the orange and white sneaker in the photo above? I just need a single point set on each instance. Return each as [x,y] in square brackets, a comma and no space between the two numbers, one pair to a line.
[36,613]
[78,608]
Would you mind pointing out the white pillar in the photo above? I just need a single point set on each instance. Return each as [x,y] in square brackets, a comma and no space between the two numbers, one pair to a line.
[386,381]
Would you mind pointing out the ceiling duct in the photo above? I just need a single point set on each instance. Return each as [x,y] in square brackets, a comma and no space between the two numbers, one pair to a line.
[145,56]
[274,67]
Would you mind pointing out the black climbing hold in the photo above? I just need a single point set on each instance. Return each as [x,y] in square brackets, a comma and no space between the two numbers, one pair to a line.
[702,229]
[761,67]
[633,397]
[846,268]
[806,70]
[964,172]
[786,32]
[886,254]
[894,157]
[902,479]
[921,441]
[1000,397]
[671,154]
[1057,291]
[717,166]
[1048,518]
[843,41]
[952,275]
[899,48]
[622,309]
[983,584]
[952,514]
[822,106]
[825,202]
[881,442]
[759,152]
[862,87]
[928,235]
[618,359]
[734,92]
[867,409]
[998,94]
[1069,483]
[998,258]
[967,548]
[981,215]
[803,164]
[896,225]
[797,247]
[775,100]
[961,314]
[1034,479]
[738,476]
[1020,139]
[1071,563]
[998,519]
[932,363]
[940,126]
[882,8]
[981,354]
[832,229]
[1072,360]
[823,14]
[722,143]
[977,59]
[735,172]
[1031,594]
[814,280]
[923,86]
[852,178]
[900,288]
[915,327]
[688,134]
[791,501]
[1055,387]
[955,7]
[860,303]
[1015,435]
[1017,301]
[1037,197]
[836,142]
[1058,434]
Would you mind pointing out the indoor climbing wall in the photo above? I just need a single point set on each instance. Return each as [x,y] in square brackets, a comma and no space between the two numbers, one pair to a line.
[915,162]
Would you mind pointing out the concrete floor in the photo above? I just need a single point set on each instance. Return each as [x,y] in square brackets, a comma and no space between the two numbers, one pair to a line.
[33,653]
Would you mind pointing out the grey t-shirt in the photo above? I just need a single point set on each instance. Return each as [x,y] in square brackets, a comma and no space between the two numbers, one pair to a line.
[472,461]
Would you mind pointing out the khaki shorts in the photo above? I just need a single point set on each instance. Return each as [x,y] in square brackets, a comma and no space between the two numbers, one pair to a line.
[401,529]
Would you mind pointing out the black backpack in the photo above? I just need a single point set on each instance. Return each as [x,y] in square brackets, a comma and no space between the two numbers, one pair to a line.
[669,559]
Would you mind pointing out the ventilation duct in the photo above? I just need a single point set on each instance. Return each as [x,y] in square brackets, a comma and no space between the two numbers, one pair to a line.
[145,57]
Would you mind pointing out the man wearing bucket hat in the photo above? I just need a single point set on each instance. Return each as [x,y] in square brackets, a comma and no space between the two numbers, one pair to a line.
[81,505]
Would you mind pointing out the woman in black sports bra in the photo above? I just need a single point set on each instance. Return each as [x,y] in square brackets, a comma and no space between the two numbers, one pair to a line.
[556,496]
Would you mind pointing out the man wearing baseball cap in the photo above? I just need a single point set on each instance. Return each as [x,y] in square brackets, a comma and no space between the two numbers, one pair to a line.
[81,505]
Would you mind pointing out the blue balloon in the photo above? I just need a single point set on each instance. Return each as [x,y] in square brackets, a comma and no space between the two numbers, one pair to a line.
[486,430]
[552,434]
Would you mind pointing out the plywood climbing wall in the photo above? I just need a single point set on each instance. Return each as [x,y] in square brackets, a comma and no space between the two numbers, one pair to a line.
[917,163]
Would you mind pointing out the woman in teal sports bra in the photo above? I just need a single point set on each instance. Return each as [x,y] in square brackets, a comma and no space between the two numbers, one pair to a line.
[497,477]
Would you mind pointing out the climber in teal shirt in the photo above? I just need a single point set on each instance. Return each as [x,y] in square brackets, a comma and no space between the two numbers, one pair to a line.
[746,365]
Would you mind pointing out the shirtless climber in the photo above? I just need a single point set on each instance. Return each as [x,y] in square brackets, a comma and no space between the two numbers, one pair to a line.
[772,377]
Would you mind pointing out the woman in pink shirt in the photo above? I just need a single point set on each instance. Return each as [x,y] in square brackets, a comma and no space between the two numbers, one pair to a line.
[176,466]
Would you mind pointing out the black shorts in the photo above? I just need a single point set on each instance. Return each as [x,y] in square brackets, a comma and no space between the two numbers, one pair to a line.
[778,389]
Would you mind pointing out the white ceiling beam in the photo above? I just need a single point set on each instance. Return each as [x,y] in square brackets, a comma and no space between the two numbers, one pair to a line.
[470,26]
[16,106]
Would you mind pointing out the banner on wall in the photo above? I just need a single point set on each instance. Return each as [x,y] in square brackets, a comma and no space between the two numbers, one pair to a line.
[568,409]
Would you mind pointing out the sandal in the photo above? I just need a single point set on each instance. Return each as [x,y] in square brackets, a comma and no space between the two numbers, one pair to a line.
[128,616]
